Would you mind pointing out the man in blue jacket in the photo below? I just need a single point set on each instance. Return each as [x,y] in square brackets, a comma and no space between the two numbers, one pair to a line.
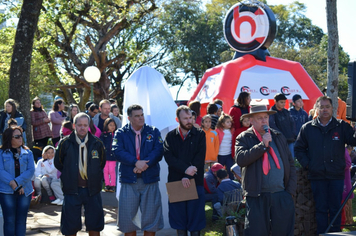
[320,149]
[139,147]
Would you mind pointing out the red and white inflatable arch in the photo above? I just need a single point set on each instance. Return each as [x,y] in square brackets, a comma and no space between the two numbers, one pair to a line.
[262,79]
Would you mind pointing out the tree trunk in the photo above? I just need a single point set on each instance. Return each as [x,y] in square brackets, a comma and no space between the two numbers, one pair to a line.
[19,88]
[333,53]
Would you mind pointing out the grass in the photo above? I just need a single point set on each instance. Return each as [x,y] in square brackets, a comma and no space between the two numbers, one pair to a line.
[212,228]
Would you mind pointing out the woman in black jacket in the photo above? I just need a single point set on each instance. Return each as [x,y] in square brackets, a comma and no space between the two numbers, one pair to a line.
[10,111]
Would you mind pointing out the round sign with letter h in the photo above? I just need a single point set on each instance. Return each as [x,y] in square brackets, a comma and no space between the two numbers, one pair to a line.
[249,26]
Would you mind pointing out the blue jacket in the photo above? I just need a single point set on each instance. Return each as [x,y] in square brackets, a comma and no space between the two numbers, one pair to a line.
[322,149]
[151,149]
[300,118]
[226,186]
[7,171]
[210,182]
[107,138]
[284,123]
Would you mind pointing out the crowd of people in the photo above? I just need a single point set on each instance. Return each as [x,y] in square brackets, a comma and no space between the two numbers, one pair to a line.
[250,148]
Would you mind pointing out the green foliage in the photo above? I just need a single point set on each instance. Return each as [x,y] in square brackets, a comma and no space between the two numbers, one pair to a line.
[314,61]
[193,37]
[7,36]
[294,28]
[116,36]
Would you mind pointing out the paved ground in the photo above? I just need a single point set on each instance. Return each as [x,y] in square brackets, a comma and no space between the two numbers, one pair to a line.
[44,219]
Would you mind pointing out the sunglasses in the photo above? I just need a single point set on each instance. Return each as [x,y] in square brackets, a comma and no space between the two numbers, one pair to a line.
[17,136]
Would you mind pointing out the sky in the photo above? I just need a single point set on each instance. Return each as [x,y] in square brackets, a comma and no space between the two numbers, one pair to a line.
[346,17]
[316,11]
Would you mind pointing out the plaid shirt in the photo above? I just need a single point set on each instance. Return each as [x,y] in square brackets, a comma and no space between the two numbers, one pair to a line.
[40,128]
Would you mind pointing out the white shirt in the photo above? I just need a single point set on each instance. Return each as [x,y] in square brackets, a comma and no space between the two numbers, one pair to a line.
[225,145]
[45,168]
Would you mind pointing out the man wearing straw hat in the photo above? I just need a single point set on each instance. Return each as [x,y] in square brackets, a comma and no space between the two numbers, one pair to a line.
[269,177]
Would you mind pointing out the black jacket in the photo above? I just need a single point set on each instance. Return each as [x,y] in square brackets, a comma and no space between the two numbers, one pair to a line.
[249,153]
[3,118]
[322,149]
[66,161]
[180,154]
[283,122]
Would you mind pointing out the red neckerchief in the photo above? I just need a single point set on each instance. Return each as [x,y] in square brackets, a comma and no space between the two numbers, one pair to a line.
[266,166]
[181,133]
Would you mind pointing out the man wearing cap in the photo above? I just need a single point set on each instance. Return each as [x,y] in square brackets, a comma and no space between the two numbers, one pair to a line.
[236,171]
[298,114]
[210,186]
[320,149]
[282,120]
[268,176]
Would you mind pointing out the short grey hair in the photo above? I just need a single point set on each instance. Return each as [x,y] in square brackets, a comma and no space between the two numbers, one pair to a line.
[79,116]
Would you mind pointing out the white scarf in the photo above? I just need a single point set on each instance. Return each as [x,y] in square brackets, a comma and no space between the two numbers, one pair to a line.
[82,166]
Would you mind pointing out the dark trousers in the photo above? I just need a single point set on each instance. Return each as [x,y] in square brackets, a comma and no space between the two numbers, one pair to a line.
[71,218]
[188,215]
[42,142]
[270,214]
[227,161]
[213,198]
[14,208]
[327,196]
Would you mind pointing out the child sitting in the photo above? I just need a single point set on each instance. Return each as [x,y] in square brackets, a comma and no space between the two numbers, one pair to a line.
[106,137]
[212,142]
[226,185]
[45,172]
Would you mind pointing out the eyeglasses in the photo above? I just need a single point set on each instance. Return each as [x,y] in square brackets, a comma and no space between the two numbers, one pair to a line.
[17,136]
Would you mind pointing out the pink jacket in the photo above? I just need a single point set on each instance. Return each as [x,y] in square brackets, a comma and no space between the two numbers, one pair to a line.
[97,132]
[347,181]
[56,121]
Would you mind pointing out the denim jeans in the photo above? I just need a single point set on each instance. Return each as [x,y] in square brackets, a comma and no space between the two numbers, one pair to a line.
[14,209]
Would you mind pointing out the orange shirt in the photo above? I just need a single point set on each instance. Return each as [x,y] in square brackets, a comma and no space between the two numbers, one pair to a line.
[212,146]
[341,110]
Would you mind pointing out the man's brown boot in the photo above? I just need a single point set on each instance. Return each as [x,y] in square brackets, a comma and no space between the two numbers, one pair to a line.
[133,233]
[146,233]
